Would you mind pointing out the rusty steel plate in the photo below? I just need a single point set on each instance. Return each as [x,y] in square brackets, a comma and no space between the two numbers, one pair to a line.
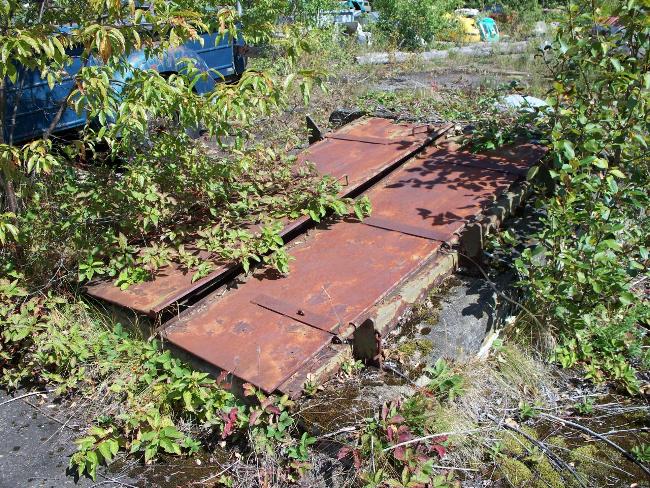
[339,272]
[296,312]
[438,192]
[354,163]
[514,159]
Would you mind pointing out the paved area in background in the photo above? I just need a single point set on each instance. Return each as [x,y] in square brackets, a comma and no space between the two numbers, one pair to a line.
[34,449]
[468,311]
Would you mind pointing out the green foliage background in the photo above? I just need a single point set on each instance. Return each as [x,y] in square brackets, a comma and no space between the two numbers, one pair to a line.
[587,277]
[411,24]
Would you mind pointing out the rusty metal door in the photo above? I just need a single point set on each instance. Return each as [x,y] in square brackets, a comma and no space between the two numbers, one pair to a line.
[358,154]
[270,326]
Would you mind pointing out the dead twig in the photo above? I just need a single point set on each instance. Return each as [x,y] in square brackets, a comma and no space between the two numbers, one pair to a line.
[559,462]
[624,431]
[454,468]
[51,417]
[431,436]
[344,430]
[396,372]
[209,478]
[23,396]
[601,437]
[108,479]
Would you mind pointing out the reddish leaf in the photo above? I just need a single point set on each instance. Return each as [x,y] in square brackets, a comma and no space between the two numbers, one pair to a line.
[273,409]
[400,453]
[404,434]
[396,419]
[249,390]
[440,450]
[230,420]
[344,452]
[391,433]
[357,459]
[254,415]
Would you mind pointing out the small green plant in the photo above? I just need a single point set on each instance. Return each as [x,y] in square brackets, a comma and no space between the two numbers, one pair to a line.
[642,453]
[300,452]
[159,435]
[350,367]
[311,386]
[390,450]
[100,446]
[528,411]
[7,228]
[273,429]
[444,381]
[586,406]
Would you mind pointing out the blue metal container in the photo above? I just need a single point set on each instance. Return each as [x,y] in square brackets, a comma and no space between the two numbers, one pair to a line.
[489,30]
[37,104]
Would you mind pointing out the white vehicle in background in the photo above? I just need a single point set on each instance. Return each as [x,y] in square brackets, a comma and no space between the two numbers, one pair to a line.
[353,15]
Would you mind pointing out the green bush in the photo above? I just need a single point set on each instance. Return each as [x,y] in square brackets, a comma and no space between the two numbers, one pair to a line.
[411,24]
[586,275]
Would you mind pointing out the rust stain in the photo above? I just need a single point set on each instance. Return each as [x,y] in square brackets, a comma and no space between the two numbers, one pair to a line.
[343,269]
[354,161]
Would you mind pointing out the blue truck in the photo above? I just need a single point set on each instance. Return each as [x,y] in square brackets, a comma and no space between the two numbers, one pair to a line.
[31,105]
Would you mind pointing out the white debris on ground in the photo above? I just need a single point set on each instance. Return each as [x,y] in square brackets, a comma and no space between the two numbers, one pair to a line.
[521,103]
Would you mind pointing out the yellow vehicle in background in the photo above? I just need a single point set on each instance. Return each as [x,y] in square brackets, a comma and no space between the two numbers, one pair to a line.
[472,28]
[469,31]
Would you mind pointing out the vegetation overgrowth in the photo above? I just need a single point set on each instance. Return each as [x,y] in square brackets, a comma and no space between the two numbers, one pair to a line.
[133,192]
[125,198]
[587,276]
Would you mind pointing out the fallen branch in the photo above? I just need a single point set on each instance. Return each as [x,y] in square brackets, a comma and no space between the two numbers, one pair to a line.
[610,443]
[115,481]
[593,460]
[559,462]
[344,430]
[23,396]
[60,422]
[624,431]
[453,468]
[210,478]
[431,436]
[398,373]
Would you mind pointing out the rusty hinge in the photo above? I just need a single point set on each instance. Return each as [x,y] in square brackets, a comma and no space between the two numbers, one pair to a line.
[298,314]
[412,230]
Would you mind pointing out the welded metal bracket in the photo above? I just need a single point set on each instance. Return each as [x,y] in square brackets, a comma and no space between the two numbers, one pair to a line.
[425,232]
[299,314]
[315,132]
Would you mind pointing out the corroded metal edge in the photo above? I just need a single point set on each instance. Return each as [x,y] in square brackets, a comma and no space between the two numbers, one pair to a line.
[386,314]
